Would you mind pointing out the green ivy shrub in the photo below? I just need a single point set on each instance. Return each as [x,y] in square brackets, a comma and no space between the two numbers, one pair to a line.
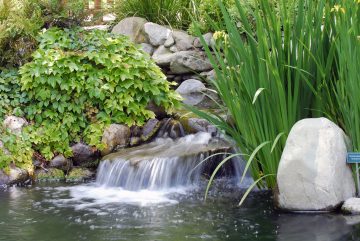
[80,81]
[16,149]
[12,99]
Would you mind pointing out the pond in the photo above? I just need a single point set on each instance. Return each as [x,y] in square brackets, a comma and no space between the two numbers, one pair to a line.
[61,212]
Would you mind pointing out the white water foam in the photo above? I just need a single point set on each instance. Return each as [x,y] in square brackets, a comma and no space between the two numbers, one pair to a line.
[92,196]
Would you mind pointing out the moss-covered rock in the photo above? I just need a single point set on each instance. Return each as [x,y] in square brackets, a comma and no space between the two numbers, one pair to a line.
[49,175]
[79,175]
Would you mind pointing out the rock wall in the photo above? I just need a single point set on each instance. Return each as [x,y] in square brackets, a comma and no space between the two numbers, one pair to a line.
[181,57]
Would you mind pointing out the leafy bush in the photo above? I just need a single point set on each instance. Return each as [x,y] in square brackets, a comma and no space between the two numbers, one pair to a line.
[176,13]
[273,80]
[18,150]
[21,21]
[12,99]
[84,80]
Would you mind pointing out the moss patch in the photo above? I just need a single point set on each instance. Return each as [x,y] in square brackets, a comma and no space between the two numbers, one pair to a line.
[79,175]
[51,175]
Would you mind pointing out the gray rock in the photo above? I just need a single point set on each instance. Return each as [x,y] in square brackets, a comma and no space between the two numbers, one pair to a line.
[115,136]
[148,48]
[17,176]
[209,76]
[313,174]
[14,124]
[4,179]
[351,206]
[83,154]
[60,162]
[135,141]
[176,130]
[133,27]
[156,33]
[192,91]
[208,37]
[183,41]
[190,62]
[162,56]
[150,129]
[195,125]
[169,42]
[174,49]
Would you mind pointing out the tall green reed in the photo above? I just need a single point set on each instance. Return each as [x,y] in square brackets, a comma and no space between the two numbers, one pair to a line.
[346,85]
[270,81]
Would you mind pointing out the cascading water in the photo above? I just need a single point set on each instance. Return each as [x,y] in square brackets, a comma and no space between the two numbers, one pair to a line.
[153,173]
[162,164]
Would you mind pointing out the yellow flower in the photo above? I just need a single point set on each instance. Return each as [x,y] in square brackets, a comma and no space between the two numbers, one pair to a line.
[338,8]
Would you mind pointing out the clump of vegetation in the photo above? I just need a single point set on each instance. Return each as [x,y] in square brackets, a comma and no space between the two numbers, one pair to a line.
[12,99]
[78,82]
[16,149]
[346,83]
[283,74]
[176,13]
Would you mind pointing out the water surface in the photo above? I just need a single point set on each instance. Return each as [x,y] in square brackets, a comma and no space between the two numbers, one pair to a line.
[93,213]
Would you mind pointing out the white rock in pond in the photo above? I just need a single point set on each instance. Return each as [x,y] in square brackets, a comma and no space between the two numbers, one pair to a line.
[156,33]
[162,56]
[183,40]
[192,91]
[133,27]
[148,48]
[313,174]
[14,124]
[351,206]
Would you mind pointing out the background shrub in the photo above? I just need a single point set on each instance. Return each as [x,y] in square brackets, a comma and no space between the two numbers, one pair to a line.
[21,21]
[176,13]
[78,79]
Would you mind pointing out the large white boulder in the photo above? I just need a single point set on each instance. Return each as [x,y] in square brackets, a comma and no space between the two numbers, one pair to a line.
[313,174]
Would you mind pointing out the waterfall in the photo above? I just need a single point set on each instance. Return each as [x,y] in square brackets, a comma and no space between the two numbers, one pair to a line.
[162,164]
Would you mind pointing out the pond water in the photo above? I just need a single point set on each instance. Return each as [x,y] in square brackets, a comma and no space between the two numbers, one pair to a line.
[91,212]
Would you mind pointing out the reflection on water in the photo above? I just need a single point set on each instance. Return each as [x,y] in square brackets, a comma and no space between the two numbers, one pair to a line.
[93,213]
[313,227]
